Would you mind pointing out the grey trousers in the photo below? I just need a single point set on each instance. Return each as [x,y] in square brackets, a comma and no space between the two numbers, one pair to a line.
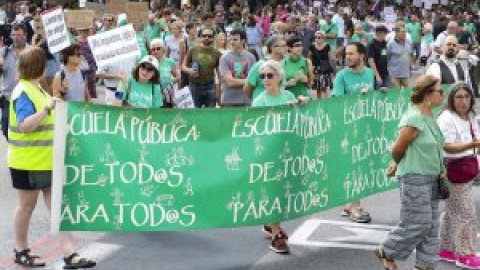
[419,221]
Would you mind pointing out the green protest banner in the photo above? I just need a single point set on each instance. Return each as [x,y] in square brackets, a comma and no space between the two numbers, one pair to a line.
[125,169]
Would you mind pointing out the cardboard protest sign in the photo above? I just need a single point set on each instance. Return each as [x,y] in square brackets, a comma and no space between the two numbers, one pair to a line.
[114,45]
[80,19]
[129,169]
[55,30]
[116,7]
[137,12]
[98,8]
[182,98]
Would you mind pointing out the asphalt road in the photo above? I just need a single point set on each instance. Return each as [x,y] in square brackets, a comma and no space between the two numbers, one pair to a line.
[321,241]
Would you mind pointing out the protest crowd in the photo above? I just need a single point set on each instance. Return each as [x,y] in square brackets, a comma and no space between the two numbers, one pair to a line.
[257,54]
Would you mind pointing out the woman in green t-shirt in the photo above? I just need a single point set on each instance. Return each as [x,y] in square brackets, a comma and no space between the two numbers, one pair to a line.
[167,67]
[298,69]
[418,164]
[272,75]
[143,89]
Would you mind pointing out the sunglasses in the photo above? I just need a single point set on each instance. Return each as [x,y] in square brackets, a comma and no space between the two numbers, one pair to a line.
[110,20]
[318,37]
[147,67]
[207,36]
[156,49]
[264,76]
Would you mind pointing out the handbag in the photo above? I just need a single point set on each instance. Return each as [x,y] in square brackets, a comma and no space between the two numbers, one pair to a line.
[465,169]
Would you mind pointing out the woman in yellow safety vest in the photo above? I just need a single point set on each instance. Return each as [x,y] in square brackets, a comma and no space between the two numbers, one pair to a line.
[30,155]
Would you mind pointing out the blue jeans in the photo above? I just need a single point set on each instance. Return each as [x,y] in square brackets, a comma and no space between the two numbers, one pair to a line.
[203,95]
[5,112]
[416,49]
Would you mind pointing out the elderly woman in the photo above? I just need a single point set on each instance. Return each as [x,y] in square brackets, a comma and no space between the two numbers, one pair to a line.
[272,75]
[169,78]
[418,164]
[458,229]
[142,88]
[30,154]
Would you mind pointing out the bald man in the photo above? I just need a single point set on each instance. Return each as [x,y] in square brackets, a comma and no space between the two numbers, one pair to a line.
[452,30]
[447,68]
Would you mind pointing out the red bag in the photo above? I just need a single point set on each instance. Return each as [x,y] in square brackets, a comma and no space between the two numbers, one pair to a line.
[462,170]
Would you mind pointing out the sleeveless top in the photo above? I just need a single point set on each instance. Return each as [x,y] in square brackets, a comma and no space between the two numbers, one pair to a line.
[76,91]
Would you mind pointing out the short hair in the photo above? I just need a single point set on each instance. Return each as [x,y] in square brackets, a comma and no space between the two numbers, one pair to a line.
[238,32]
[71,50]
[423,86]
[291,41]
[276,67]
[189,26]
[136,71]
[32,8]
[451,97]
[19,26]
[200,33]
[208,16]
[157,41]
[359,46]
[31,63]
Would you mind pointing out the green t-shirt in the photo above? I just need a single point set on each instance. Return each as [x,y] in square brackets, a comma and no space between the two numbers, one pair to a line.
[254,80]
[428,38]
[292,68]
[348,82]
[415,31]
[162,24]
[165,69]
[152,31]
[142,44]
[266,100]
[425,154]
[330,29]
[364,38]
[470,27]
[142,95]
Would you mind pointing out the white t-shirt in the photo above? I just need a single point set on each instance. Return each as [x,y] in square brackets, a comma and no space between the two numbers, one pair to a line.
[457,130]
[338,20]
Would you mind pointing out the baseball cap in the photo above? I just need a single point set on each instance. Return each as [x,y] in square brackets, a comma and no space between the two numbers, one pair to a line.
[150,60]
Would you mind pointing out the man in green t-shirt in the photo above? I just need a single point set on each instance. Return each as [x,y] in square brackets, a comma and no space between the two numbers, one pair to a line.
[330,29]
[414,28]
[355,78]
[152,29]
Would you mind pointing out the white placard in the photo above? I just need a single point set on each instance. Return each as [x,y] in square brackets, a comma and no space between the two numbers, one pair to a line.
[115,45]
[56,30]
[388,11]
[428,4]
[444,2]
[182,98]
[317,4]
[417,3]
[392,18]
[81,3]
[435,2]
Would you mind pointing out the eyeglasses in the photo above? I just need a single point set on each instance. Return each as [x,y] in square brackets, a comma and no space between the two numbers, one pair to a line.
[207,36]
[147,67]
[264,76]
[319,37]
[156,49]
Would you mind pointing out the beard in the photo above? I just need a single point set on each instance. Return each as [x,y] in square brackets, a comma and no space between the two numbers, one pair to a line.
[207,42]
[353,64]
[450,54]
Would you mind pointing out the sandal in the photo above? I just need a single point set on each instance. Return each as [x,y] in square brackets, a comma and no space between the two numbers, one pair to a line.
[420,268]
[81,263]
[388,264]
[27,259]
[267,230]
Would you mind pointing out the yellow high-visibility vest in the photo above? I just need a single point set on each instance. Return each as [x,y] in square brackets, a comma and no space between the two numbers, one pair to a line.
[32,151]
